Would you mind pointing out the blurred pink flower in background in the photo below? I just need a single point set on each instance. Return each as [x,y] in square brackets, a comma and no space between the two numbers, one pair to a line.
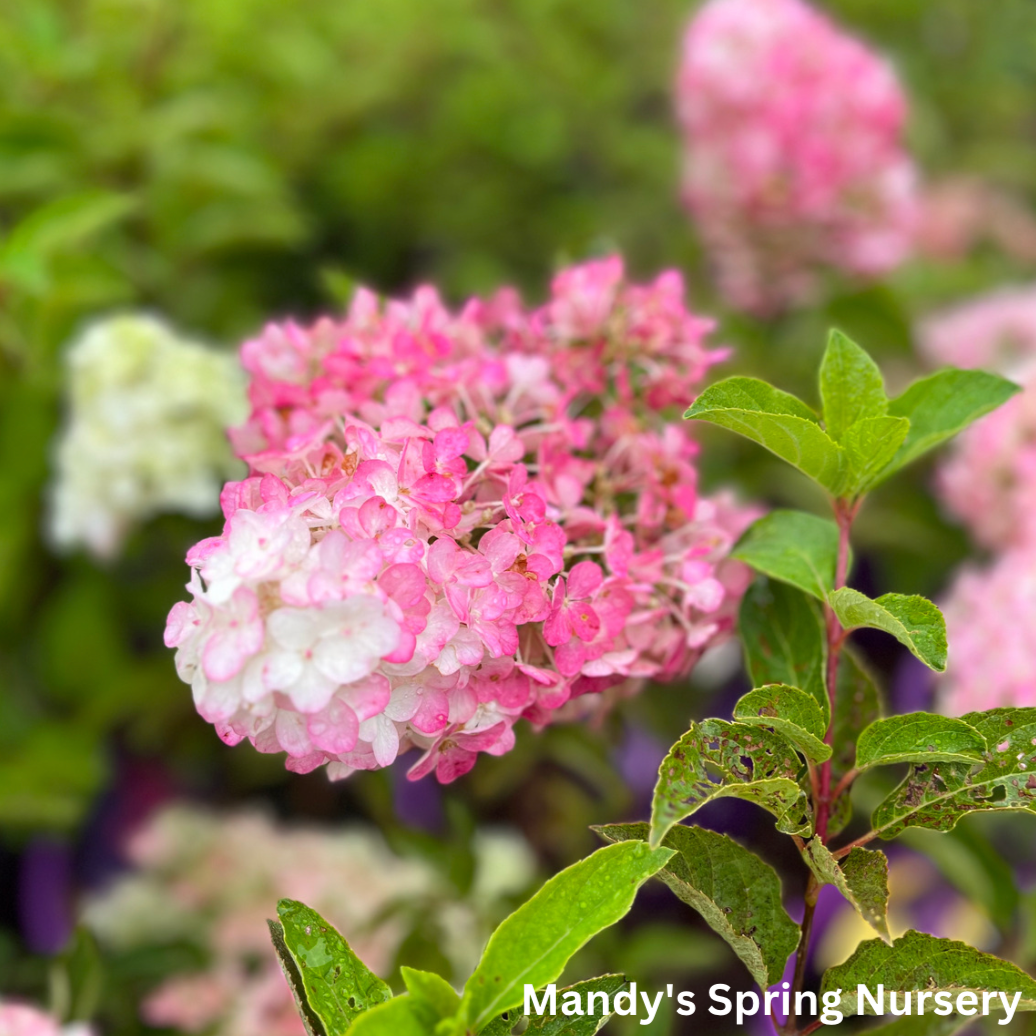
[23,1020]
[456,520]
[794,160]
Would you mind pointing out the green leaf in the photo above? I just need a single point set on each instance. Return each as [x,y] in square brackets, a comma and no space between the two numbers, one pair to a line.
[941,405]
[535,942]
[737,893]
[923,963]
[923,1025]
[863,878]
[402,1016]
[790,712]
[919,737]
[851,385]
[794,547]
[563,1025]
[331,984]
[432,991]
[857,704]
[914,621]
[777,421]
[869,446]
[937,795]
[750,763]
[782,631]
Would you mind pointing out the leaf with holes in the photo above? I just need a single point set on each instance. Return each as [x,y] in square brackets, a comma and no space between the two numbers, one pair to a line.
[776,420]
[863,878]
[794,547]
[331,984]
[914,621]
[534,944]
[782,630]
[937,795]
[593,1021]
[919,963]
[919,737]
[857,704]
[737,894]
[940,406]
[851,386]
[748,762]
[789,712]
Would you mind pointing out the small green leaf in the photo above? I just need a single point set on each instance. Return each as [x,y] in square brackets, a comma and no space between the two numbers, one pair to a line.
[923,1025]
[851,385]
[941,405]
[794,547]
[937,795]
[563,1025]
[535,942]
[401,1016]
[922,963]
[782,631]
[790,712]
[432,991]
[750,763]
[914,621]
[857,704]
[869,446]
[737,893]
[777,421]
[863,878]
[919,737]
[330,982]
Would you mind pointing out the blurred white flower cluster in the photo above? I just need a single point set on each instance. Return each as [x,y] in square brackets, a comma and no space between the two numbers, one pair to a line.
[145,431]
[213,879]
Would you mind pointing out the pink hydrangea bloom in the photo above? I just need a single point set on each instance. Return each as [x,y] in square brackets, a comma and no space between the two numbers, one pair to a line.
[988,611]
[454,520]
[794,155]
[988,479]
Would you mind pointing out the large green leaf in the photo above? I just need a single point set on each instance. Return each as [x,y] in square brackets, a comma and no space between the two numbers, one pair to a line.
[746,762]
[862,877]
[535,942]
[403,1016]
[869,446]
[851,386]
[782,631]
[737,893]
[937,795]
[923,963]
[919,737]
[941,405]
[331,984]
[790,712]
[776,420]
[914,621]
[857,704]
[566,1025]
[794,547]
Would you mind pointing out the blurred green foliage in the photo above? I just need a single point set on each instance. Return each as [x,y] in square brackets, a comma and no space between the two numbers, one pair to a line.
[223,162]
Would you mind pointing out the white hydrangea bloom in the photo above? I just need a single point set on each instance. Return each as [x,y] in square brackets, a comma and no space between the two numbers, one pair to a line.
[145,431]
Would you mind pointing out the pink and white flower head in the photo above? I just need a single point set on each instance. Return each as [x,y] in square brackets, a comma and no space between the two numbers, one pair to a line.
[988,611]
[454,520]
[794,156]
[23,1020]
[988,479]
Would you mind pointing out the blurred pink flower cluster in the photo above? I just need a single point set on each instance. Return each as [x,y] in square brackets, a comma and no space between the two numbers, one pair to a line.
[454,520]
[988,480]
[794,155]
[210,880]
[23,1020]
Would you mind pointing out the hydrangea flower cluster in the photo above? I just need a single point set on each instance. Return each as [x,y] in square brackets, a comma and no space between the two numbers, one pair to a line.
[23,1020]
[146,431]
[208,880]
[989,477]
[456,520]
[794,155]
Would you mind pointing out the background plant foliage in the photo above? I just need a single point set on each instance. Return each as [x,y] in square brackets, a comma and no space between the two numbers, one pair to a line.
[225,161]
